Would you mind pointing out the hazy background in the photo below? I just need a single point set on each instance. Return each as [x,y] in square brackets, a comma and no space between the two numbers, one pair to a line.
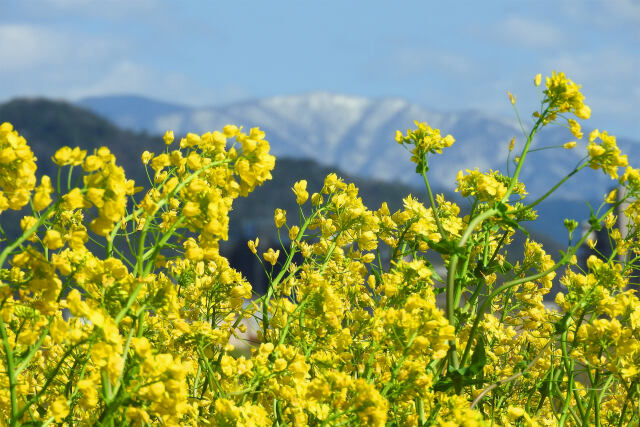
[329,82]
[446,56]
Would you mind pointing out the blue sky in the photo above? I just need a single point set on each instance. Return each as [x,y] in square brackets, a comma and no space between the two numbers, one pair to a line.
[446,56]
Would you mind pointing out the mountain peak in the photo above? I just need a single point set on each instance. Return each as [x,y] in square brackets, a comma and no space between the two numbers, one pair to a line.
[357,134]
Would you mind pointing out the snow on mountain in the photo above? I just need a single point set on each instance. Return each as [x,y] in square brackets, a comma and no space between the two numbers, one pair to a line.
[356,134]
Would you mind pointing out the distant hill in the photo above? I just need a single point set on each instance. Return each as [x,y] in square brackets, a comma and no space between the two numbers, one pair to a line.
[356,134]
[48,125]
[133,112]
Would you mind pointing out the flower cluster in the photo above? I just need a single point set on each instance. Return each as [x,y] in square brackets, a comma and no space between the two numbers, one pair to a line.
[17,169]
[484,186]
[606,155]
[425,139]
[563,95]
[117,307]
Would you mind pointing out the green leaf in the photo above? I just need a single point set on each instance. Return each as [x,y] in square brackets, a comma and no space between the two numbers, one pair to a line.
[563,324]
[478,359]
[464,376]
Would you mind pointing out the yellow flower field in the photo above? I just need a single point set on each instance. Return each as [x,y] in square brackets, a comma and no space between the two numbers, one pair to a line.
[117,308]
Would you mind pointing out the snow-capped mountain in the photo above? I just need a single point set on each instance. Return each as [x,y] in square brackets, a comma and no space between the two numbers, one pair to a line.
[356,134]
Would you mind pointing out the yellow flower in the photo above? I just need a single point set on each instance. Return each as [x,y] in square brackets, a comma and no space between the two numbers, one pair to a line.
[279,365]
[192,251]
[191,209]
[27,222]
[606,155]
[569,145]
[230,131]
[74,200]
[564,95]
[146,157]
[53,240]
[58,330]
[168,137]
[271,256]
[280,217]
[300,190]
[89,392]
[537,79]
[399,137]
[367,258]
[141,346]
[293,232]
[160,161]
[59,408]
[66,156]
[42,196]
[191,140]
[138,415]
[92,163]
[483,186]
[575,128]
[425,139]
[515,412]
[512,98]
[253,244]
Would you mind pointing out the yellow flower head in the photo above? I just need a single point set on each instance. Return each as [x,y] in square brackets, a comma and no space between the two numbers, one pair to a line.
[484,186]
[59,408]
[425,139]
[575,128]
[146,157]
[606,155]
[280,217]
[67,156]
[168,137]
[537,79]
[300,190]
[271,256]
[564,95]
[53,240]
[253,245]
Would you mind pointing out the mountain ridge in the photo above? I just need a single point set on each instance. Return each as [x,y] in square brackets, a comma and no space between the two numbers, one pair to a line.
[48,125]
[356,134]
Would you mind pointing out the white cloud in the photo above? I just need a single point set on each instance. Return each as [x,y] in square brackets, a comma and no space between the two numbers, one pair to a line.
[528,32]
[129,77]
[123,77]
[625,9]
[41,61]
[24,47]
[111,8]
[610,82]
[29,47]
[599,67]
[605,14]
[407,61]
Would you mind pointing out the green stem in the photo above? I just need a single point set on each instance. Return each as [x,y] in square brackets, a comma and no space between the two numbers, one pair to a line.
[510,284]
[523,155]
[11,373]
[274,283]
[434,208]
[9,249]
[548,193]
[451,276]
